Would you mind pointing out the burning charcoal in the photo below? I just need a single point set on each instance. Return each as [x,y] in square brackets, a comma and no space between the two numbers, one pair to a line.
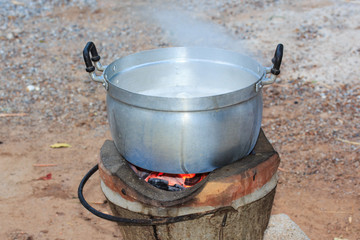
[192,181]
[159,183]
[166,181]
[175,188]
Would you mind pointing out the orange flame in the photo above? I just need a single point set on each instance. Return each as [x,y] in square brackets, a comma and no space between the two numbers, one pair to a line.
[179,179]
[184,180]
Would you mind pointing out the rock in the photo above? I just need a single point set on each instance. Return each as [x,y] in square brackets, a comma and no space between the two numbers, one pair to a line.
[281,227]
[10,36]
[31,88]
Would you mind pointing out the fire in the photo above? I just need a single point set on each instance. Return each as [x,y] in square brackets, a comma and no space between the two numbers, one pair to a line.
[170,182]
[185,176]
[184,180]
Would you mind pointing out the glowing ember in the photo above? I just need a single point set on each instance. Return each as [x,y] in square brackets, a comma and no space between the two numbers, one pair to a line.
[170,182]
[184,180]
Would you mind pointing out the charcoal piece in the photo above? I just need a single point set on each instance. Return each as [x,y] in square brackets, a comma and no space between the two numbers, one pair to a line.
[159,183]
[175,188]
[193,180]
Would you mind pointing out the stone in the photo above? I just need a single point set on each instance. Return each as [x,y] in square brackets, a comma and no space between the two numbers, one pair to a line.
[10,36]
[281,227]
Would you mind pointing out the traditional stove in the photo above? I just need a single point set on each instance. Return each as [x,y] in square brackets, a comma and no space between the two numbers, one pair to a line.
[232,202]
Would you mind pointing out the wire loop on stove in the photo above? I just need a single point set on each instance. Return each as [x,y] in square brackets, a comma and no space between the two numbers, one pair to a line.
[131,221]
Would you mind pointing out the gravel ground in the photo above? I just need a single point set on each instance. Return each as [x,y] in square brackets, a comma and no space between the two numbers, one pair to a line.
[311,114]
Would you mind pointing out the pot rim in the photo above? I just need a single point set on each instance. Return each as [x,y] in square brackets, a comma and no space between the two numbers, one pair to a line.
[179,54]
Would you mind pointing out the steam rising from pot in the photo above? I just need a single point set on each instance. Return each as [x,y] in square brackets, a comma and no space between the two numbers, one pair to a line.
[185,29]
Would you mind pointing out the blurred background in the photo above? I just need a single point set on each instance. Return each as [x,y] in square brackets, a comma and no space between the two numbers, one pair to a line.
[311,114]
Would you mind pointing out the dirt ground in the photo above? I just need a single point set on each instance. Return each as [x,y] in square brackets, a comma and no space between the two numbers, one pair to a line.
[311,114]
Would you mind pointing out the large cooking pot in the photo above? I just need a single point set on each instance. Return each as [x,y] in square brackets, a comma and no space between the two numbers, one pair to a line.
[183,109]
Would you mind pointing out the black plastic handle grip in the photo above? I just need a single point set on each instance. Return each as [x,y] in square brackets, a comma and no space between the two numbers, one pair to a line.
[90,48]
[277,59]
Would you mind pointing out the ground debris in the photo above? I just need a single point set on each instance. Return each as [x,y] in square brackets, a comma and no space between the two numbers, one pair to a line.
[20,235]
[46,177]
[60,145]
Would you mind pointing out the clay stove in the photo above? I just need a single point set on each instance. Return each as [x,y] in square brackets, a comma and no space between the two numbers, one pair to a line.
[232,202]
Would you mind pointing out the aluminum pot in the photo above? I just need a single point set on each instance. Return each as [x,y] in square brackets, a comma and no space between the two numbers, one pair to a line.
[183,109]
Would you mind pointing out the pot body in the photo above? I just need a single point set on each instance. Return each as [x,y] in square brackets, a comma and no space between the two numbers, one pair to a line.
[184,110]
[184,142]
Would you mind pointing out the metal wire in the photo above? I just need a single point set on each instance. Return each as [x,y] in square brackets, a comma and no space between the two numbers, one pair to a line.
[130,221]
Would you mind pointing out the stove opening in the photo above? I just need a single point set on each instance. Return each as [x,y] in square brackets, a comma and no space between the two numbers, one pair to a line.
[167,181]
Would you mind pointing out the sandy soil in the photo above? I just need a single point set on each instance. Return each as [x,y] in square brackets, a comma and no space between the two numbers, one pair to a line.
[311,114]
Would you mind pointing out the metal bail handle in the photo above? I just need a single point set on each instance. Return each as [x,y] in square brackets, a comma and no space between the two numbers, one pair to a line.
[91,55]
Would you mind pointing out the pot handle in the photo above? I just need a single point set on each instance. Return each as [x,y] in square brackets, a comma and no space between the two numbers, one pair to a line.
[274,70]
[277,59]
[91,55]
[90,48]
